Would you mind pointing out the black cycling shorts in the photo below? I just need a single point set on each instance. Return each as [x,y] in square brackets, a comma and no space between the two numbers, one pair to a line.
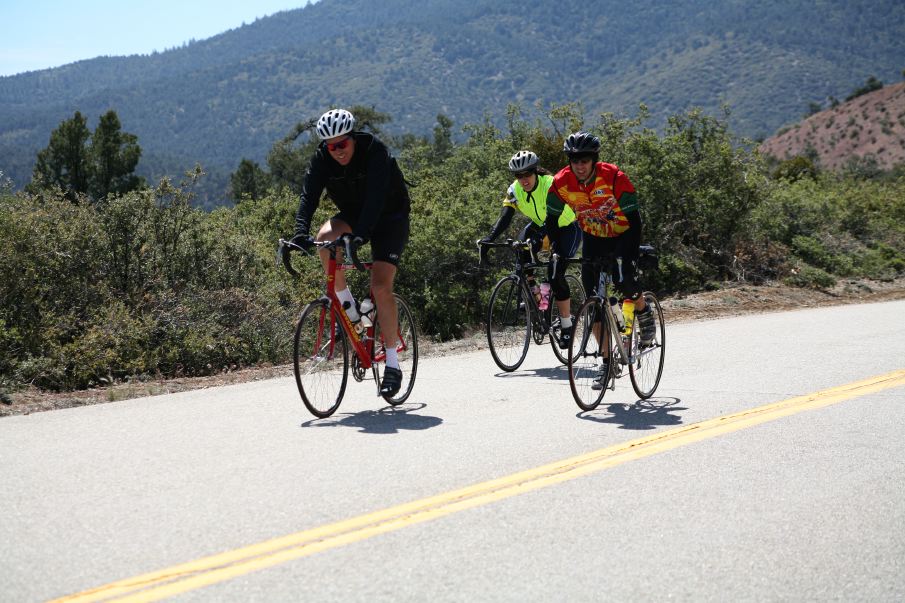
[389,237]
[625,246]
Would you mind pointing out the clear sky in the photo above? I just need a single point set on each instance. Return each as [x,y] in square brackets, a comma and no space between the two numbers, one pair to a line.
[37,34]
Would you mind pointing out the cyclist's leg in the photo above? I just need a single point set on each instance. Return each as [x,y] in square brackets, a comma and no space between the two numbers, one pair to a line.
[627,247]
[387,244]
[531,232]
[566,247]
[595,248]
[382,276]
[332,229]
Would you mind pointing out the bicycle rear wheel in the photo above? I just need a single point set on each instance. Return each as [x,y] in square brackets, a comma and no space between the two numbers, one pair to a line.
[646,366]
[576,299]
[509,323]
[321,361]
[586,354]
[406,348]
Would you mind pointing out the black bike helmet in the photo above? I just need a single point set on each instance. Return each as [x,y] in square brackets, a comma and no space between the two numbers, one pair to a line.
[581,143]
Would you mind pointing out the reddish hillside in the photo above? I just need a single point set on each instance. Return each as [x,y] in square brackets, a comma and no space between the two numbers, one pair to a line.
[869,125]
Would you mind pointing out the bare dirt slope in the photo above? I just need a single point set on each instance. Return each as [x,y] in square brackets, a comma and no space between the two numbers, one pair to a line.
[732,300]
[872,125]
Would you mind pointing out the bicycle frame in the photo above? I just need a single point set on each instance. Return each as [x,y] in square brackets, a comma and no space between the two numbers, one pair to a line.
[603,285]
[542,318]
[338,312]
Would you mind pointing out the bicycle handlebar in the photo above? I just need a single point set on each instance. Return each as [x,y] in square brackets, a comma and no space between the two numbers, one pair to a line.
[285,247]
[484,246]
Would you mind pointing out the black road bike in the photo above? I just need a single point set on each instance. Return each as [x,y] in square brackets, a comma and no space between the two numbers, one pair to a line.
[599,336]
[513,315]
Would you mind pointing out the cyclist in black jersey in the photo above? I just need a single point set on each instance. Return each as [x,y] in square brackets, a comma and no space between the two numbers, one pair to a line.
[365,183]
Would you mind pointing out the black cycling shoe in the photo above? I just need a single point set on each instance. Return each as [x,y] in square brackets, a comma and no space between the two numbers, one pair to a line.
[603,376]
[565,337]
[648,328]
[392,381]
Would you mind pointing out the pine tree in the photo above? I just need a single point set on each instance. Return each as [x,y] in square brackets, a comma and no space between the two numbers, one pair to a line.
[96,169]
[113,155]
[64,162]
[249,181]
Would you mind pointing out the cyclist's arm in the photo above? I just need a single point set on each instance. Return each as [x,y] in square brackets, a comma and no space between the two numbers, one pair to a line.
[627,199]
[502,223]
[310,197]
[555,207]
[634,219]
[378,183]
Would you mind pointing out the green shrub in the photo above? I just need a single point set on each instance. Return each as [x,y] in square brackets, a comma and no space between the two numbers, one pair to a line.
[145,283]
[808,277]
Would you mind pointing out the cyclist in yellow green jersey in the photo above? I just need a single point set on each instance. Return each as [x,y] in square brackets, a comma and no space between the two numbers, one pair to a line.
[528,194]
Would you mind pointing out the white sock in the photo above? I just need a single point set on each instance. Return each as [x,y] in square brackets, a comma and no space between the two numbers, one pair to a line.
[565,322]
[392,357]
[346,296]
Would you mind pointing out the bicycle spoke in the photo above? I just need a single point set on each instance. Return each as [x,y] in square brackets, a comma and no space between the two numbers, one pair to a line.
[576,299]
[321,360]
[586,354]
[646,367]
[508,324]
[406,349]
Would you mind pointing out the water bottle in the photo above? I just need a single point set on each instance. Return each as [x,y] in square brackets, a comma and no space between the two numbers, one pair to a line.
[544,296]
[366,308]
[617,312]
[628,310]
[354,318]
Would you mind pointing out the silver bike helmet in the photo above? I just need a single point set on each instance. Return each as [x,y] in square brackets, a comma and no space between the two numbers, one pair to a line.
[335,122]
[522,162]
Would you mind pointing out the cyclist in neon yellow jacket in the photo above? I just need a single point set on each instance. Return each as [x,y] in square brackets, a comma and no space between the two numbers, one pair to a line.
[528,194]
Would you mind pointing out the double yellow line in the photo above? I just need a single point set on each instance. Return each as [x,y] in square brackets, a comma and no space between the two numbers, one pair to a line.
[218,568]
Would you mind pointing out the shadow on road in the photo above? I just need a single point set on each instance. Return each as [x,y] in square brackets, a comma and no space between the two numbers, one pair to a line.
[556,373]
[641,415]
[384,420]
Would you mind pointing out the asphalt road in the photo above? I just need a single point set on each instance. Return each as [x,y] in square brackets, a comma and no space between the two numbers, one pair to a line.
[685,496]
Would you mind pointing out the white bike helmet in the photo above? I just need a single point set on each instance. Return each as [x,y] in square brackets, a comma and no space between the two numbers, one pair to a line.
[335,122]
[522,162]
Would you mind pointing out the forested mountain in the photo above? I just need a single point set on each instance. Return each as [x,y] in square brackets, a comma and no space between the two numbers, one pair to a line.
[218,100]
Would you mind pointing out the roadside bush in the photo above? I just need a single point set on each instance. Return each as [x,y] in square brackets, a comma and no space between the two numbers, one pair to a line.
[146,284]
[808,277]
[453,205]
[842,226]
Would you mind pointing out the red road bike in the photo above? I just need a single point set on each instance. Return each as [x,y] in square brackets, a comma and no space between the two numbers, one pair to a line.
[328,346]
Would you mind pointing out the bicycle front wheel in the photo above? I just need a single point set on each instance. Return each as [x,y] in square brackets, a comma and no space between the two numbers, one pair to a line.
[509,323]
[586,353]
[576,299]
[321,359]
[406,349]
[646,366]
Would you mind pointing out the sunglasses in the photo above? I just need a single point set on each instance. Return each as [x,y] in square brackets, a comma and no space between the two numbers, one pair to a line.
[339,145]
[521,175]
[581,159]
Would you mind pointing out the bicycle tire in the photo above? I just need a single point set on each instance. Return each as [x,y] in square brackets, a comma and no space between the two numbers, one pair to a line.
[585,355]
[320,362]
[407,350]
[646,366]
[576,299]
[509,323]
